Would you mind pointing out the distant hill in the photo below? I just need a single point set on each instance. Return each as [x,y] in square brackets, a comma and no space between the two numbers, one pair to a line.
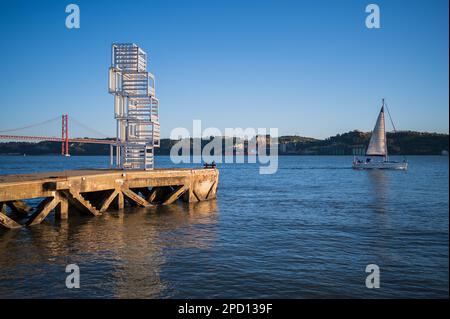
[355,143]
[350,143]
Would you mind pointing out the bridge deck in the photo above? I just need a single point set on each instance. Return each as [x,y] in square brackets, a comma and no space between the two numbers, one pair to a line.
[96,190]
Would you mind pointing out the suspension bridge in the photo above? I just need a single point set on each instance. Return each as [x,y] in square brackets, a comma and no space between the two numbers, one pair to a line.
[64,138]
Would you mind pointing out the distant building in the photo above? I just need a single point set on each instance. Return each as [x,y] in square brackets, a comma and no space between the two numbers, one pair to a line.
[263,141]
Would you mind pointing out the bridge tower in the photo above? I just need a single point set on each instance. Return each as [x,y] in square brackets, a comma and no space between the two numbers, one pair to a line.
[135,107]
[65,135]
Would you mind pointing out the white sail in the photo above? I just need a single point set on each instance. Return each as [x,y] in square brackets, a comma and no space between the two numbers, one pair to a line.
[377,144]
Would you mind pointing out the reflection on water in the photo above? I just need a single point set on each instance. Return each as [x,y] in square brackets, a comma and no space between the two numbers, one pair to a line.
[379,182]
[307,231]
[119,253]
[379,190]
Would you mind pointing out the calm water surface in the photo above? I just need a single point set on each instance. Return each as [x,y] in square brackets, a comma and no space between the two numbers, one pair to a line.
[307,231]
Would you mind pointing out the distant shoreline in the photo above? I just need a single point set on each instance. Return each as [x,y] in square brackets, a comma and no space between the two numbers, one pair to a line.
[167,155]
[350,143]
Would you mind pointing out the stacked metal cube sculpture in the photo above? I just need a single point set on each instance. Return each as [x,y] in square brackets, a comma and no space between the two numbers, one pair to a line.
[135,107]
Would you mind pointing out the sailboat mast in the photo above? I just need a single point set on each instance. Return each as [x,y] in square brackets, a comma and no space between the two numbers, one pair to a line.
[386,157]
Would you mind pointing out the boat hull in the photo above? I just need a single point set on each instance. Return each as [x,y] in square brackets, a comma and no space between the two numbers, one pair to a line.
[380,165]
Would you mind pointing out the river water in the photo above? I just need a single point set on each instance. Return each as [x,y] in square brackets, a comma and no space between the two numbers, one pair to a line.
[308,231]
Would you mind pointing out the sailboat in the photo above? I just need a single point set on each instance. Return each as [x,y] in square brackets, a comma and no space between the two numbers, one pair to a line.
[377,153]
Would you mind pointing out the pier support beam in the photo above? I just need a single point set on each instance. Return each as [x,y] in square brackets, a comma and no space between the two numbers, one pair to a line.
[80,202]
[62,209]
[132,196]
[176,193]
[107,201]
[43,209]
[6,221]
[120,201]
[19,206]
[158,194]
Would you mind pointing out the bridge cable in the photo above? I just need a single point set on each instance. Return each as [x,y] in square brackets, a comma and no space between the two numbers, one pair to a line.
[31,125]
[88,128]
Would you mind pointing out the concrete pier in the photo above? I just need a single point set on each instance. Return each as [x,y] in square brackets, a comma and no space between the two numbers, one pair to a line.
[96,191]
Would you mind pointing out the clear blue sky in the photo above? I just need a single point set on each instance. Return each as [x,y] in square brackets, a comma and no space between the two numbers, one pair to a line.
[307,67]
